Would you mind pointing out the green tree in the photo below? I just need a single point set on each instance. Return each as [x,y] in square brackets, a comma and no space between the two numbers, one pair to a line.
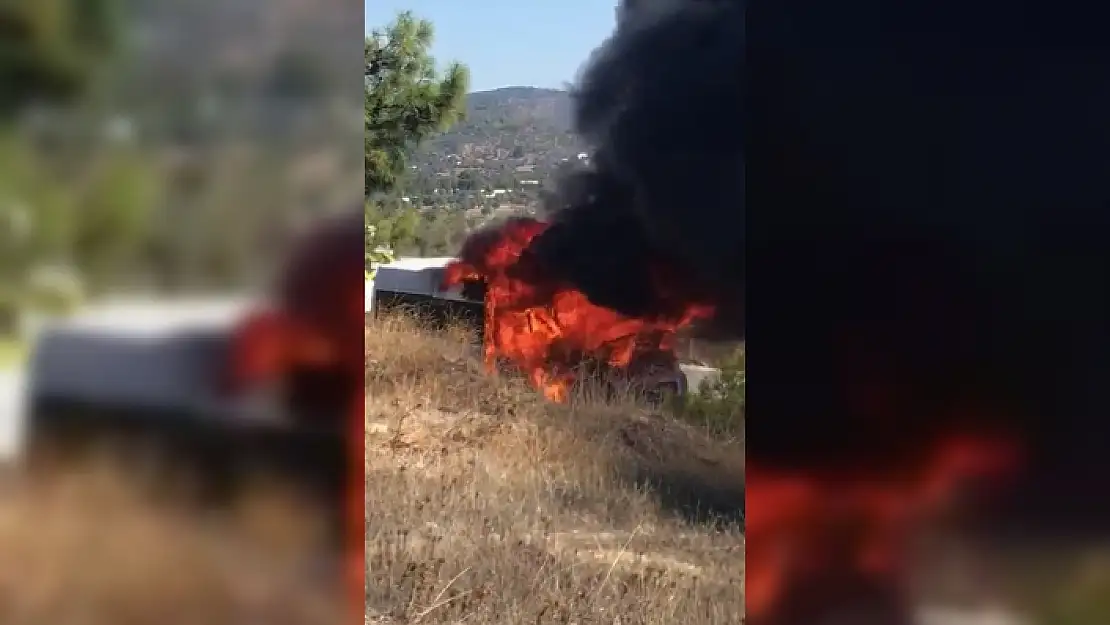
[406,99]
[53,50]
[63,206]
[404,228]
[471,180]
[441,233]
[112,216]
[720,403]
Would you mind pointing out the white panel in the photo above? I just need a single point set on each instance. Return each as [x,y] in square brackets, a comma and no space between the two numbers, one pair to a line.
[11,414]
[416,276]
[157,372]
[156,354]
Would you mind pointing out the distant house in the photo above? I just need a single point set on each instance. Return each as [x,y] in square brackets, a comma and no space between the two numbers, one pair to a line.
[522,169]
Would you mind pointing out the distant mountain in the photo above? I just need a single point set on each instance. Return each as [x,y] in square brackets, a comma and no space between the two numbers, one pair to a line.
[546,110]
[521,132]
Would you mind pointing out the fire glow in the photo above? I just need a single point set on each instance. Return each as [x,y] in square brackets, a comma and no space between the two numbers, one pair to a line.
[812,529]
[317,323]
[549,329]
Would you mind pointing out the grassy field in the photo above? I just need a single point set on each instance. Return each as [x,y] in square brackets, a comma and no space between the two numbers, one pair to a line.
[486,504]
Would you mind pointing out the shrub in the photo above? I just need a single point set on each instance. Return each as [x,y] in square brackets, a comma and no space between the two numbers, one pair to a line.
[1083,599]
[719,403]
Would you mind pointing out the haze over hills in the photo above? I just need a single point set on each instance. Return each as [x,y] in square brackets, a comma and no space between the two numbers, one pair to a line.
[511,138]
[528,117]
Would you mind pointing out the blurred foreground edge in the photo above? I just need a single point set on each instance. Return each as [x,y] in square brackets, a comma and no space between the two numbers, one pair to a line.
[138,382]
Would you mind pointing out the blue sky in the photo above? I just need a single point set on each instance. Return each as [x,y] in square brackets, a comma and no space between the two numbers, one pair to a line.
[539,43]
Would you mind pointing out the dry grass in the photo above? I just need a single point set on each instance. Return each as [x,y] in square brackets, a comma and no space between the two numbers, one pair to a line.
[81,546]
[486,504]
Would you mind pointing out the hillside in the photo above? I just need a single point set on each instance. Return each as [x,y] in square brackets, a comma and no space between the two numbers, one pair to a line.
[486,504]
[511,137]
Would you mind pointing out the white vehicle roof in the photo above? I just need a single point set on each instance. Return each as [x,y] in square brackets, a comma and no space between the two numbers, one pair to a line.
[417,276]
[142,353]
[157,317]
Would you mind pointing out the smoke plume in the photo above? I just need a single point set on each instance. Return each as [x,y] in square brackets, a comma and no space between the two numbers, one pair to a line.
[927,204]
[919,187]
[660,104]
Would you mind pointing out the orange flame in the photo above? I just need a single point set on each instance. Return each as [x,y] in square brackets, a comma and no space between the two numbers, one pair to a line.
[317,324]
[806,526]
[547,328]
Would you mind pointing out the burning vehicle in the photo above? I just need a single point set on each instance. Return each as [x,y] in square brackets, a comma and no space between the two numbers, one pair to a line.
[536,327]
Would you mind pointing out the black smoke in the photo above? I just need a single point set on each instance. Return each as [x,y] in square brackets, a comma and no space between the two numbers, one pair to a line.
[660,104]
[927,204]
[917,193]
